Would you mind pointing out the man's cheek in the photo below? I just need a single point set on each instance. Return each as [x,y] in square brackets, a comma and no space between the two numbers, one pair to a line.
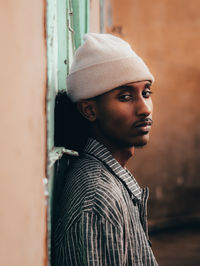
[119,123]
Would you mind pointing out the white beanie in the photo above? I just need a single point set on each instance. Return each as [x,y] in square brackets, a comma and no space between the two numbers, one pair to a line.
[103,62]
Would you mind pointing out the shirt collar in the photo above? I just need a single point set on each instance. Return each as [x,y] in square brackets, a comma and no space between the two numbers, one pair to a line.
[98,150]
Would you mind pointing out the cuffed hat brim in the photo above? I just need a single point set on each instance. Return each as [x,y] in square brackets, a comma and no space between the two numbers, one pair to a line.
[100,76]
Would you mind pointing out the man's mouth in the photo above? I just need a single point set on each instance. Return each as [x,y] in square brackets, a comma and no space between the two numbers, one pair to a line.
[147,122]
[143,126]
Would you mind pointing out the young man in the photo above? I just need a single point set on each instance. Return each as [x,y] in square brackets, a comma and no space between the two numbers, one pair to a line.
[102,219]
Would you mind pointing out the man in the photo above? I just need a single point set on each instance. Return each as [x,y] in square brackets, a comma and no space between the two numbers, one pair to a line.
[102,219]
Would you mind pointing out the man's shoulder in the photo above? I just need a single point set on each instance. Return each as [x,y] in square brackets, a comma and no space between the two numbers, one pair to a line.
[106,187]
[83,176]
[84,170]
[85,163]
[89,169]
[91,188]
[96,180]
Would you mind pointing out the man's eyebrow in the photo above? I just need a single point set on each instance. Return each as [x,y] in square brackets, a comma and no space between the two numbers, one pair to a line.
[125,87]
[129,87]
[148,85]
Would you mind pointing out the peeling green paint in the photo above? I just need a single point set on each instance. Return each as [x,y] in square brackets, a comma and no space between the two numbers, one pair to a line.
[67,21]
[57,152]
[81,20]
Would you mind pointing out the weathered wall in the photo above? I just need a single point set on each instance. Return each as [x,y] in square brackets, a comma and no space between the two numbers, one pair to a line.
[22,142]
[167,35]
[94,16]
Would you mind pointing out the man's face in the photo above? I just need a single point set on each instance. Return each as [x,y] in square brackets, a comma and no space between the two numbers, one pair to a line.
[124,115]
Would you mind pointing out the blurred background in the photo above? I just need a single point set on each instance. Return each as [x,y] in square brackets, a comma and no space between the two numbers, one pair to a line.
[166,34]
[38,39]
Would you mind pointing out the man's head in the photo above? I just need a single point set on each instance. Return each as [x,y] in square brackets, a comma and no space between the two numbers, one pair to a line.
[122,115]
[111,85]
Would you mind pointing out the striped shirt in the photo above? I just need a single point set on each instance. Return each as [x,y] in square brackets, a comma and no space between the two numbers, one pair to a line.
[102,216]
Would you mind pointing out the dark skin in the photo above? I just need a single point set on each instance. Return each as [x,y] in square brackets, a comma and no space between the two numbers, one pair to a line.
[121,119]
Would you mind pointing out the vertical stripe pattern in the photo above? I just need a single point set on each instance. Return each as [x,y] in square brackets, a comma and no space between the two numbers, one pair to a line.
[102,214]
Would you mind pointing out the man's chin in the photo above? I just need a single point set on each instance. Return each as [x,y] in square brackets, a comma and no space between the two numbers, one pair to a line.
[136,142]
[140,143]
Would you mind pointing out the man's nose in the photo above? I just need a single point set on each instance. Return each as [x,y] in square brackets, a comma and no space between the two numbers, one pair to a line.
[144,107]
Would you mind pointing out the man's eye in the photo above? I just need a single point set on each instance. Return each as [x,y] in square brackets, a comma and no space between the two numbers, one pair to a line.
[125,97]
[147,93]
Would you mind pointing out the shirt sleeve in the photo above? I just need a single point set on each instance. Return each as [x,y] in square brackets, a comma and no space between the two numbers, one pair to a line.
[93,241]
[103,242]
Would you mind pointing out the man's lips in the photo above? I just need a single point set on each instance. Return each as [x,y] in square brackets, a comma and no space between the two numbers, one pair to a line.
[144,123]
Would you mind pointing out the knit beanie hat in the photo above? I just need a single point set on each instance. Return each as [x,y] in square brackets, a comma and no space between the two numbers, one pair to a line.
[103,62]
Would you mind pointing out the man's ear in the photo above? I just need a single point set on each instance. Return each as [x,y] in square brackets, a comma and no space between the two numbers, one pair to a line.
[88,109]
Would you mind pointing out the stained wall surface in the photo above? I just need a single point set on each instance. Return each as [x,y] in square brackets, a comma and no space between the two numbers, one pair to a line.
[22,141]
[167,36]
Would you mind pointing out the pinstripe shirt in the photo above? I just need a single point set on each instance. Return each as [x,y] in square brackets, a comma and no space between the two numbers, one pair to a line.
[102,214]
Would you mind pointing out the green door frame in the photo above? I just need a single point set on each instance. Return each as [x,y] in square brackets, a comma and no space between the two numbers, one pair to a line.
[66,21]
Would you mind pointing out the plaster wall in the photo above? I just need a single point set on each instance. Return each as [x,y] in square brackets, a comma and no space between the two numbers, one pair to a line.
[22,141]
[166,35]
[94,16]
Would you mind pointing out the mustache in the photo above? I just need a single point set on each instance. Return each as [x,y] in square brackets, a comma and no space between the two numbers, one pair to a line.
[143,122]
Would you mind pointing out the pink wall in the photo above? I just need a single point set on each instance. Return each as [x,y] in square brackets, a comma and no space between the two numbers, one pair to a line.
[22,142]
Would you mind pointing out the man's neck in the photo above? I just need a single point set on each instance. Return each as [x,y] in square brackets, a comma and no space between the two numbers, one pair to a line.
[121,154]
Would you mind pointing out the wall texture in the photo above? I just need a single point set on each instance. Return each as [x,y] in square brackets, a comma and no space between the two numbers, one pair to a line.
[94,16]
[166,34]
[22,142]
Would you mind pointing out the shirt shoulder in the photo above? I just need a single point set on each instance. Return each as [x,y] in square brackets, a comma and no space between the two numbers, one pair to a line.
[91,187]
